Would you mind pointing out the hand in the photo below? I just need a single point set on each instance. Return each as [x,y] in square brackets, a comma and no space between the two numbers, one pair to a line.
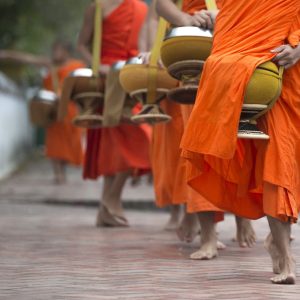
[213,15]
[200,18]
[286,56]
[145,57]
[104,69]
[203,17]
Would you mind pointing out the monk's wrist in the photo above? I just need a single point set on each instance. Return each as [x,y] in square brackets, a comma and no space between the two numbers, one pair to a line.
[182,19]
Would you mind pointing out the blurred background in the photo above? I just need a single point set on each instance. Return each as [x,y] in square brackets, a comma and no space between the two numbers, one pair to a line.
[30,26]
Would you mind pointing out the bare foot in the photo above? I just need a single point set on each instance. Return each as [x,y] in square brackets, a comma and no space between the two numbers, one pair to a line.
[173,222]
[245,235]
[207,251]
[274,253]
[287,273]
[172,225]
[59,168]
[189,228]
[106,219]
[280,239]
[220,245]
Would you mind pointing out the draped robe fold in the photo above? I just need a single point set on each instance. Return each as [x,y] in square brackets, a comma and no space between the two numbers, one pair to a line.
[125,147]
[168,168]
[248,178]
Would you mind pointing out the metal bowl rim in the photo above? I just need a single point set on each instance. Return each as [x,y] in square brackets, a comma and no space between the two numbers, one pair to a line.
[188,31]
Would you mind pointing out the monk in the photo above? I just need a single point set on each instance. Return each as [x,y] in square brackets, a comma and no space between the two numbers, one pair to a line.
[165,152]
[63,139]
[194,15]
[115,153]
[250,178]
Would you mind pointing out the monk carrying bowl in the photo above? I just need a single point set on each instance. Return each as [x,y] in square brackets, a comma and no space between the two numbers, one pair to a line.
[137,78]
[183,53]
[43,108]
[87,91]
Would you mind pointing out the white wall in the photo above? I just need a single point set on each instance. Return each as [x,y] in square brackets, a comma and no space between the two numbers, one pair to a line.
[16,133]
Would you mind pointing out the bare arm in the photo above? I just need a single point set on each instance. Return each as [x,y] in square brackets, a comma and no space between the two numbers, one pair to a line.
[86,35]
[152,25]
[168,10]
[25,58]
[149,29]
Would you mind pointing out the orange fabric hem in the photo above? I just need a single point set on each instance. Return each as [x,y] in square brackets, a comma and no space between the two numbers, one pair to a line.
[252,203]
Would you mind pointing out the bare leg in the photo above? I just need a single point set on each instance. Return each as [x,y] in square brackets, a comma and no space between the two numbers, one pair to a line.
[281,233]
[274,253]
[111,211]
[245,234]
[59,168]
[173,222]
[208,248]
[189,228]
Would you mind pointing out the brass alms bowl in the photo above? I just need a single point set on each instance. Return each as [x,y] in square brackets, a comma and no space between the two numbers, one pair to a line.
[134,78]
[43,108]
[183,53]
[186,43]
[87,92]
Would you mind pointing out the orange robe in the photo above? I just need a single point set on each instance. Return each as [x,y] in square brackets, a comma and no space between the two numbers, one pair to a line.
[168,173]
[168,168]
[196,202]
[191,6]
[63,139]
[125,147]
[249,178]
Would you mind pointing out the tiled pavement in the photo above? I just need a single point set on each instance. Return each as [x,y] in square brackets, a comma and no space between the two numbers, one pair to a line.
[50,251]
[55,252]
[34,182]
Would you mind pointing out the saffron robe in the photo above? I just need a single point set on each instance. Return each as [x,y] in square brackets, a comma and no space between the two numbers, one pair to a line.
[63,139]
[168,168]
[248,178]
[125,147]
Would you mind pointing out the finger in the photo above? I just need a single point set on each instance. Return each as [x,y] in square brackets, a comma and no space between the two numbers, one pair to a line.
[202,20]
[284,54]
[208,20]
[205,15]
[288,66]
[199,21]
[284,62]
[278,49]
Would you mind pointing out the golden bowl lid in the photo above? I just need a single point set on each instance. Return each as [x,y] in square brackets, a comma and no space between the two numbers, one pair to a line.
[188,31]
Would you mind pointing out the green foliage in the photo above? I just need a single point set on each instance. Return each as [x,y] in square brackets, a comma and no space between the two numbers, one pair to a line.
[32,25]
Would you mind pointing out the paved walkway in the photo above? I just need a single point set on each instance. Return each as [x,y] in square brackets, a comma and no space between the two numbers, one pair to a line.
[34,182]
[50,251]
[55,252]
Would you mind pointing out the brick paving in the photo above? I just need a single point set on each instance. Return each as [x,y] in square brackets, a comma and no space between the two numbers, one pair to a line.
[55,252]
[34,182]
